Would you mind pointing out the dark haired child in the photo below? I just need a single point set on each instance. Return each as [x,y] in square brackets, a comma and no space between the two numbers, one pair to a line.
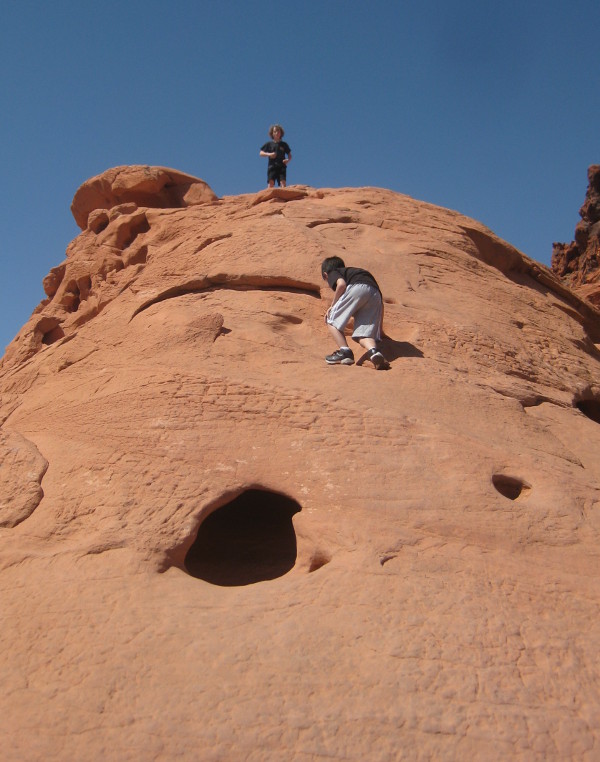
[357,295]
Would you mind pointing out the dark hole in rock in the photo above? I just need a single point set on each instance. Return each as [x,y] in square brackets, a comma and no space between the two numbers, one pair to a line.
[98,221]
[509,486]
[55,334]
[590,408]
[128,233]
[251,539]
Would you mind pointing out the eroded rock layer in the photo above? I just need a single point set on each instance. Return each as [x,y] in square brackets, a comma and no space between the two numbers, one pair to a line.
[215,546]
[578,263]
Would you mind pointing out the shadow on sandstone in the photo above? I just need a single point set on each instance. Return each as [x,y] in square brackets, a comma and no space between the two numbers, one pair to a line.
[394,349]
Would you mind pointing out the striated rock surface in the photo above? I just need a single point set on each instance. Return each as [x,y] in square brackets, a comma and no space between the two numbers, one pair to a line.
[214,546]
[578,263]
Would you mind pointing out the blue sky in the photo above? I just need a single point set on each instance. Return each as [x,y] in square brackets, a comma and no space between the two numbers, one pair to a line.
[491,109]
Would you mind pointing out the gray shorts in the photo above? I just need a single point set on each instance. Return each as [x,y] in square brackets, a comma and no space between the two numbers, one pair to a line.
[363,302]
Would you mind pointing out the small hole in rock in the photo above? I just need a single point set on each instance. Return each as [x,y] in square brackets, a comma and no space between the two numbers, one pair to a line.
[318,560]
[590,408]
[509,486]
[53,335]
[287,318]
[98,222]
[130,231]
[251,539]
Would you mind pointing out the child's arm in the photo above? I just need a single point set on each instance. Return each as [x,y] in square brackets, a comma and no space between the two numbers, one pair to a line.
[340,287]
[268,155]
[289,158]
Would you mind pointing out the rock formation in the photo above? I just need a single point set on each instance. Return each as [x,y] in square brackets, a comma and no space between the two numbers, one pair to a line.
[578,263]
[214,546]
[158,187]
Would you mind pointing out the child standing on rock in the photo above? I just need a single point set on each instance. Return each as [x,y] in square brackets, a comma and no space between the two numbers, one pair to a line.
[279,154]
[356,295]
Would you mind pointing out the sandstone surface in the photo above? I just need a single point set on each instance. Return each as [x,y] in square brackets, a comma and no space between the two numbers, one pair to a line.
[578,263]
[213,546]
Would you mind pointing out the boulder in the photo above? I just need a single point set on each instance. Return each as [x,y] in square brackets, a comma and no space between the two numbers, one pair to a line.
[157,187]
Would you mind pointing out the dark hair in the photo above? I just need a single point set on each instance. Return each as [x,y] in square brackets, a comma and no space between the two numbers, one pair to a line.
[331,263]
[274,127]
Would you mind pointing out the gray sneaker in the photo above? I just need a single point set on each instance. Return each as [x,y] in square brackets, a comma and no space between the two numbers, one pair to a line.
[377,359]
[341,357]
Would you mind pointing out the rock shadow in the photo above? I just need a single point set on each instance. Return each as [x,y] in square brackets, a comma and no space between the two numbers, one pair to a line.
[249,540]
[590,408]
[392,350]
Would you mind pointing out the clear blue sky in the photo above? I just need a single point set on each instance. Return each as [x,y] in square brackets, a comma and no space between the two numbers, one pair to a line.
[490,108]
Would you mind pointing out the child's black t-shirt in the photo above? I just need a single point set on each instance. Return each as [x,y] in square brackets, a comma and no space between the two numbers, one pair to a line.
[351,275]
[281,150]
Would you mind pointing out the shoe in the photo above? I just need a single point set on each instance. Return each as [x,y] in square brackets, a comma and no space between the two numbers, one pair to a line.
[341,357]
[377,359]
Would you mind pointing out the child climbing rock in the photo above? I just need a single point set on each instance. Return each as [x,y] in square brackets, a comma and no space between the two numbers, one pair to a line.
[356,295]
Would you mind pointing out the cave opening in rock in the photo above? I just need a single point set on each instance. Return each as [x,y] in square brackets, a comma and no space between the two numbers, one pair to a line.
[248,540]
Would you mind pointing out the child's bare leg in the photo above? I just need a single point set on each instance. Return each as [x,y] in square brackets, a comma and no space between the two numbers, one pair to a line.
[374,355]
[338,336]
[367,343]
[271,183]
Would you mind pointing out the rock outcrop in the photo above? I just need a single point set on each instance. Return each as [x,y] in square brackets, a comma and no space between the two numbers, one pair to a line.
[577,263]
[157,187]
[214,546]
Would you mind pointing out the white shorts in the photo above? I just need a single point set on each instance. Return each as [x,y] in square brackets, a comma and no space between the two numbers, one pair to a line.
[363,303]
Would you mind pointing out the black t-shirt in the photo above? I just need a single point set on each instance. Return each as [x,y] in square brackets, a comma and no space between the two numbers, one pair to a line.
[351,275]
[281,148]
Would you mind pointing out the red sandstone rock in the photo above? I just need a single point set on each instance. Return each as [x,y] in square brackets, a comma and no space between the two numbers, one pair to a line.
[578,263]
[141,186]
[214,546]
